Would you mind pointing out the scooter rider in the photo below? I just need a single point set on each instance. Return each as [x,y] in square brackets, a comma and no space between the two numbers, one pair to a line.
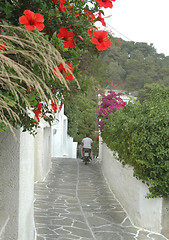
[87,142]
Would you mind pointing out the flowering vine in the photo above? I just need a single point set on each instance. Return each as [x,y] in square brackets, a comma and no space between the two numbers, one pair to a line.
[110,103]
[70,28]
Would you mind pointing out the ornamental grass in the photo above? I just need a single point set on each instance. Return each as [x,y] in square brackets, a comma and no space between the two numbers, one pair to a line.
[27,61]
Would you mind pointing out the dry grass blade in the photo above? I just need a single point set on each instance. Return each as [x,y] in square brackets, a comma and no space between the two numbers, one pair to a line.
[24,50]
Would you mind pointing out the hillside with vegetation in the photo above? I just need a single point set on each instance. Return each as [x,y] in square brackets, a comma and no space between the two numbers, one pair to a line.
[130,66]
[127,66]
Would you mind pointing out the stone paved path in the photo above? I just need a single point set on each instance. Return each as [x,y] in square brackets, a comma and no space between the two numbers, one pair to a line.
[74,202]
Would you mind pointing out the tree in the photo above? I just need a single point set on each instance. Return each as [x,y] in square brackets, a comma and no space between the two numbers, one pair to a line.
[145,92]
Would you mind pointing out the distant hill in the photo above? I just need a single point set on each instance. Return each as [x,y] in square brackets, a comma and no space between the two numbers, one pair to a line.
[130,66]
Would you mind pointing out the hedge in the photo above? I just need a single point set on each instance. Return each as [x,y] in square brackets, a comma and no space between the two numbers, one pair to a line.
[140,135]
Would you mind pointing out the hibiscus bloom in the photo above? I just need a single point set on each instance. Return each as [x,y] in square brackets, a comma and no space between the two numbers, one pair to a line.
[76,15]
[69,9]
[62,7]
[99,18]
[105,3]
[54,105]
[67,36]
[2,47]
[37,112]
[65,72]
[101,40]
[55,1]
[89,15]
[32,20]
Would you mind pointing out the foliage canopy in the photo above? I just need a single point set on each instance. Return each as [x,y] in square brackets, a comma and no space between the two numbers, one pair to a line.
[66,28]
[140,133]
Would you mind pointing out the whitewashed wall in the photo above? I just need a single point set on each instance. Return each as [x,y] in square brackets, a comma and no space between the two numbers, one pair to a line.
[42,151]
[4,218]
[23,160]
[150,214]
[62,144]
[26,187]
[17,184]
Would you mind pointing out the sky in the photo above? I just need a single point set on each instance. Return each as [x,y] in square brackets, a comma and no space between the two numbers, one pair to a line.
[141,21]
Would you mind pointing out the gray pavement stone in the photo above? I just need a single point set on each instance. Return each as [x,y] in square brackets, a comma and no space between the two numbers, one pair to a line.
[79,232]
[107,236]
[75,202]
[157,237]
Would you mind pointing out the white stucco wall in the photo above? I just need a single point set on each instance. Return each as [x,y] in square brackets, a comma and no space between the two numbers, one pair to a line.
[42,152]
[145,213]
[165,217]
[16,184]
[4,218]
[9,180]
[26,187]
[62,143]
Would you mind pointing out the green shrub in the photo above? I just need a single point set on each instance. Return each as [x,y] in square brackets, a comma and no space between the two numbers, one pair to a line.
[140,135]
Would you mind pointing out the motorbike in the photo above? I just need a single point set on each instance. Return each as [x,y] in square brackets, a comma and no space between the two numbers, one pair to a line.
[86,155]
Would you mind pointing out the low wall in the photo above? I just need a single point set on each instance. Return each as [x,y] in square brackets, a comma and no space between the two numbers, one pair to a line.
[17,184]
[151,214]
[4,218]
[26,187]
[62,144]
[42,152]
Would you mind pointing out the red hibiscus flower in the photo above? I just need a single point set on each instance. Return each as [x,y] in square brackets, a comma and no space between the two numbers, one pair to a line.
[66,73]
[105,3]
[67,36]
[70,76]
[32,20]
[76,15]
[101,40]
[69,9]
[61,105]
[62,7]
[2,47]
[89,14]
[70,13]
[54,105]
[55,1]
[99,18]
[37,112]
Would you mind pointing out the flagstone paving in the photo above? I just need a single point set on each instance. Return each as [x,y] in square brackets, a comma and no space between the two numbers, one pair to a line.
[75,202]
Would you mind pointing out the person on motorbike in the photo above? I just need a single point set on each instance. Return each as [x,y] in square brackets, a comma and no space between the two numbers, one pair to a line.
[87,142]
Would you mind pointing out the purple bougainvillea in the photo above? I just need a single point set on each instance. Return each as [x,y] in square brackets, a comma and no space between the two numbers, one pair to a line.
[110,103]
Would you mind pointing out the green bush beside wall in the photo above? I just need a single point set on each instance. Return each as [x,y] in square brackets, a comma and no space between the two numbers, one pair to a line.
[140,135]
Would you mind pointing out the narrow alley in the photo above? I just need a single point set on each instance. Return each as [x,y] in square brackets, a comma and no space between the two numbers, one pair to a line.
[75,202]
